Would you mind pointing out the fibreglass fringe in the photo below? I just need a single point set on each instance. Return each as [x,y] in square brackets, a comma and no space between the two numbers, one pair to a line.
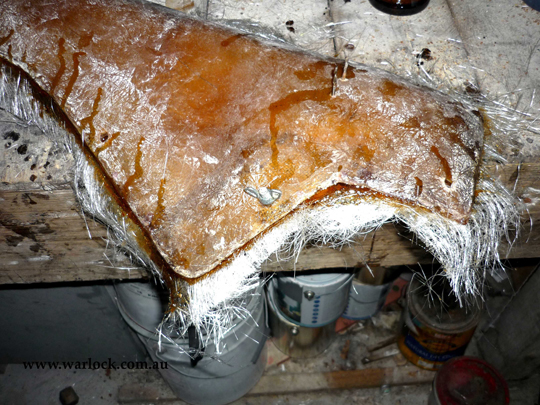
[465,252]
[16,98]
[210,298]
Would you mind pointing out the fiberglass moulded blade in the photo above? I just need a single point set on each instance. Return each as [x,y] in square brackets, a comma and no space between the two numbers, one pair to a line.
[182,116]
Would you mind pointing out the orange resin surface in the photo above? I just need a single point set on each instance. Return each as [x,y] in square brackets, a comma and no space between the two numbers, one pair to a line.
[183,115]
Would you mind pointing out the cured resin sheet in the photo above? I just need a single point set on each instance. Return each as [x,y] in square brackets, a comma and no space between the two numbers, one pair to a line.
[222,148]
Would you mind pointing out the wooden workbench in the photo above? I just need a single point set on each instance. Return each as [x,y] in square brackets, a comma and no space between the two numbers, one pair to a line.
[492,46]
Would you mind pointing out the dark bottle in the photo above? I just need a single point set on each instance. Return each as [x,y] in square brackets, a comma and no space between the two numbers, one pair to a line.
[400,7]
[533,4]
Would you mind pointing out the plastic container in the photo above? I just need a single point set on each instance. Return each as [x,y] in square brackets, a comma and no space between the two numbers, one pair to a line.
[468,380]
[435,328]
[242,355]
[295,340]
[313,300]
[365,300]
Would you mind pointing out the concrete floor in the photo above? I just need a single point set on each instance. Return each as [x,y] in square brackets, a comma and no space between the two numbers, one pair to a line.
[19,386]
[22,386]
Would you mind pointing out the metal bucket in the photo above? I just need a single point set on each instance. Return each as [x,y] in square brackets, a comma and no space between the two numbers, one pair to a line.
[435,329]
[142,304]
[313,300]
[365,300]
[241,358]
[295,340]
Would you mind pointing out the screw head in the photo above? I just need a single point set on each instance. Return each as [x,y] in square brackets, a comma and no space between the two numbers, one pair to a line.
[309,295]
[295,331]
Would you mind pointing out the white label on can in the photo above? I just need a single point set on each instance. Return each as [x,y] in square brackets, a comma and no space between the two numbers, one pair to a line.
[365,300]
[318,311]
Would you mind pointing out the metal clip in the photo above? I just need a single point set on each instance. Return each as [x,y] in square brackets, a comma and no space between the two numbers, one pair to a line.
[265,195]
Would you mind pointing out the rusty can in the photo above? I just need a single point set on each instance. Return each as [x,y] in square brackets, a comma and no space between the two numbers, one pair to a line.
[435,325]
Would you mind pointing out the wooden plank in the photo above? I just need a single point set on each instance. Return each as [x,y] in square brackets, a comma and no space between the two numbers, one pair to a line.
[385,247]
[44,238]
[350,379]
[291,383]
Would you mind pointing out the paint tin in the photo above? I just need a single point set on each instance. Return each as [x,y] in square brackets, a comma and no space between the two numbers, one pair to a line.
[468,380]
[295,340]
[313,300]
[365,300]
[241,359]
[435,328]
